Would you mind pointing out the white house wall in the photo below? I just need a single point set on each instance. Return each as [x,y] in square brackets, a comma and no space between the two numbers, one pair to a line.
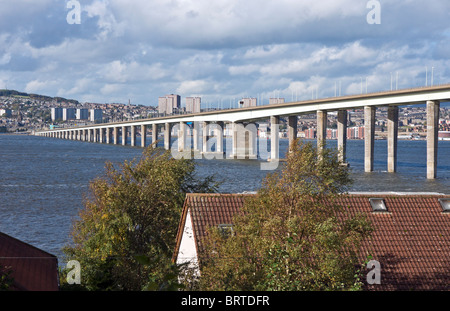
[187,252]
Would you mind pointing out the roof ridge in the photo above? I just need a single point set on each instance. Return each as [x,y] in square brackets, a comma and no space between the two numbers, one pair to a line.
[350,194]
[16,240]
[218,194]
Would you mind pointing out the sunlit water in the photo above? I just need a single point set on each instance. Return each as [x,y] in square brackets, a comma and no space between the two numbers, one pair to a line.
[43,180]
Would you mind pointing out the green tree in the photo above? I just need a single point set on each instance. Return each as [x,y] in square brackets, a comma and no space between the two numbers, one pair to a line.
[291,235]
[6,279]
[125,236]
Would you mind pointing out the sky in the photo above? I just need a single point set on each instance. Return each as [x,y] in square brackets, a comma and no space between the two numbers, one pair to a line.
[117,51]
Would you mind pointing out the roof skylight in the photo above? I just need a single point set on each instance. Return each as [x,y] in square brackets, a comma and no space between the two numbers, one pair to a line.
[378,204]
[445,203]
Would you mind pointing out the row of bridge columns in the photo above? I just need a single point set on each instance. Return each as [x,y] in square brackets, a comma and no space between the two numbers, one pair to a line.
[244,138]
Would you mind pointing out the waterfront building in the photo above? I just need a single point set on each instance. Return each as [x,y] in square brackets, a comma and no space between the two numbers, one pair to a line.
[5,112]
[68,114]
[96,115]
[309,133]
[82,114]
[273,101]
[57,113]
[193,104]
[169,104]
[356,132]
[247,102]
[332,134]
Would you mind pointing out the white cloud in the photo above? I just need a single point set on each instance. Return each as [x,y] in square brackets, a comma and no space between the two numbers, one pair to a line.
[220,48]
[119,71]
[79,87]
[38,86]
[5,59]
[244,69]
[107,22]
[109,89]
[265,51]
[203,23]
[193,87]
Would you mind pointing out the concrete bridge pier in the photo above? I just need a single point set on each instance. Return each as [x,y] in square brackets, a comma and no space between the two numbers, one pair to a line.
[182,131]
[234,139]
[154,133]
[116,135]
[432,138]
[143,136]
[342,134]
[251,141]
[133,135]
[219,135]
[322,120]
[205,137]
[108,135]
[167,135]
[392,124]
[124,135]
[217,129]
[95,138]
[195,136]
[369,137]
[274,138]
[101,137]
[292,129]
[244,141]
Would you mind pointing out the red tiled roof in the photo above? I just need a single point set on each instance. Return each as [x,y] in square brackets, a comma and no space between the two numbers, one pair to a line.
[208,210]
[411,241]
[32,269]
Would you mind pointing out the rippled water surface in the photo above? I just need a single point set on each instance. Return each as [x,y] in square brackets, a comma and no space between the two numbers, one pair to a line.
[43,180]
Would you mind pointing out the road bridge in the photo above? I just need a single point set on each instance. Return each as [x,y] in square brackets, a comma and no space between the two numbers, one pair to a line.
[244,131]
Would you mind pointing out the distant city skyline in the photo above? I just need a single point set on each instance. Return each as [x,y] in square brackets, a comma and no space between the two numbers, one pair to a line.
[221,51]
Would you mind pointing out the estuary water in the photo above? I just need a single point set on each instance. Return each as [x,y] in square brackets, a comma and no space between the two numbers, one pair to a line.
[43,180]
